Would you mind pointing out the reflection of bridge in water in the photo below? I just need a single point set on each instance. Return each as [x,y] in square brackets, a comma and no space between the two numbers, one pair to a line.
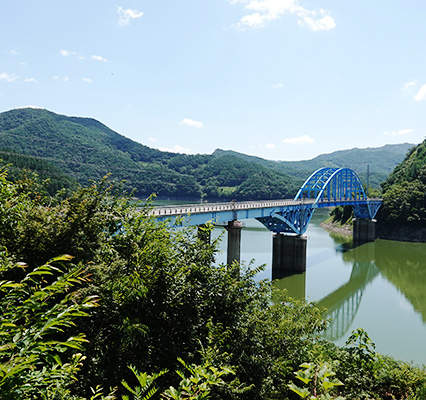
[342,304]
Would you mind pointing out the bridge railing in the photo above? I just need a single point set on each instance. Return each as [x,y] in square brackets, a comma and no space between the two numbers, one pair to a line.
[164,211]
[218,207]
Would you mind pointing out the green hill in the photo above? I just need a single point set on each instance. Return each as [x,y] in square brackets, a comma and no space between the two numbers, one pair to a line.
[85,149]
[404,197]
[381,161]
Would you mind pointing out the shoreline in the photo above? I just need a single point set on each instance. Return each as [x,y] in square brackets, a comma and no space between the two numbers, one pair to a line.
[344,230]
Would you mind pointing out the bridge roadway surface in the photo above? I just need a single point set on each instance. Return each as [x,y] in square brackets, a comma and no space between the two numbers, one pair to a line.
[219,213]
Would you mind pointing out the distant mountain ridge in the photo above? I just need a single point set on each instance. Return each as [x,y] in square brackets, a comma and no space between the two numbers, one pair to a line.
[381,161]
[85,149]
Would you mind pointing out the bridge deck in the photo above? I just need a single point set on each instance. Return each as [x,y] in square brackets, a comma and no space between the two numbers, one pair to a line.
[223,212]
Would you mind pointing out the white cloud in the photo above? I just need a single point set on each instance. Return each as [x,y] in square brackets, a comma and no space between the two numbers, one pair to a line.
[14,52]
[409,84]
[4,76]
[176,149]
[270,146]
[421,94]
[66,53]
[87,80]
[30,80]
[66,78]
[316,20]
[261,12]
[278,86]
[402,132]
[305,139]
[125,16]
[152,139]
[191,122]
[99,58]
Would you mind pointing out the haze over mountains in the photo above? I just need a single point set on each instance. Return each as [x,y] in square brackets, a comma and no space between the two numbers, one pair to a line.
[83,149]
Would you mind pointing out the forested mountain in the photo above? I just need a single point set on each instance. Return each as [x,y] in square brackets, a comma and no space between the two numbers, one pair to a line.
[404,193]
[18,163]
[71,149]
[85,149]
[381,161]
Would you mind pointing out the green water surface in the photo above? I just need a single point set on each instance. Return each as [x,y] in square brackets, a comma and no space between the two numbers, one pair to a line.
[378,286]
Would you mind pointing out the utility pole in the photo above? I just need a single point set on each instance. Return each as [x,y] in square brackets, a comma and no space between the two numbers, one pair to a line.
[368,179]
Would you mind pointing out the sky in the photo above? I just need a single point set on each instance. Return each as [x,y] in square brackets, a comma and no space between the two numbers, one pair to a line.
[279,79]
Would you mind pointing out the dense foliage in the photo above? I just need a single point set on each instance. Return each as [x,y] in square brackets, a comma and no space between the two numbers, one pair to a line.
[20,165]
[404,192]
[161,304]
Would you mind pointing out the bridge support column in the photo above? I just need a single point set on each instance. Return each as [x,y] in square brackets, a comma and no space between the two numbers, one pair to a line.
[234,241]
[288,253]
[364,230]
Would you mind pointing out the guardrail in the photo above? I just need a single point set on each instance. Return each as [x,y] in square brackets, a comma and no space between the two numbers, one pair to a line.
[163,211]
[229,206]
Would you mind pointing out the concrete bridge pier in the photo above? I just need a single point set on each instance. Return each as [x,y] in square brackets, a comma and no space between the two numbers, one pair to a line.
[288,253]
[234,241]
[364,230]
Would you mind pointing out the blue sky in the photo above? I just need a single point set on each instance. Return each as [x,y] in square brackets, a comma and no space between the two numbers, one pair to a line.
[280,79]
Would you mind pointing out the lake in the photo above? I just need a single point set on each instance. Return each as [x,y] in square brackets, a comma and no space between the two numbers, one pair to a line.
[379,286]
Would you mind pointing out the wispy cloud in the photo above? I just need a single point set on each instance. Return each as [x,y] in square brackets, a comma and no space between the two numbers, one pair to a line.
[152,139]
[98,58]
[270,146]
[4,76]
[402,132]
[277,85]
[30,80]
[305,139]
[409,84]
[67,53]
[191,122]
[87,80]
[421,94]
[176,149]
[14,52]
[125,16]
[261,12]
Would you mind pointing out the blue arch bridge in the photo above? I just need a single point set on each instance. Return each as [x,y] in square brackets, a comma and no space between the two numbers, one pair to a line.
[287,219]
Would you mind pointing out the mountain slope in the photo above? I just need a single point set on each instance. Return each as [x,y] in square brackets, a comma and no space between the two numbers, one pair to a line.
[404,192]
[381,161]
[87,150]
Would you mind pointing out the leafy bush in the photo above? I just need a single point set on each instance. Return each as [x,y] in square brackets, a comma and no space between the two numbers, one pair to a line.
[37,356]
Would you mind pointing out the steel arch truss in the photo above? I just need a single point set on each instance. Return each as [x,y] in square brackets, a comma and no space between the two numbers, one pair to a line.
[332,184]
[327,187]
[367,210]
[293,219]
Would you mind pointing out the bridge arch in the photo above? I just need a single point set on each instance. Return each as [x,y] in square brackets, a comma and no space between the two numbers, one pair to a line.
[326,187]
[332,184]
